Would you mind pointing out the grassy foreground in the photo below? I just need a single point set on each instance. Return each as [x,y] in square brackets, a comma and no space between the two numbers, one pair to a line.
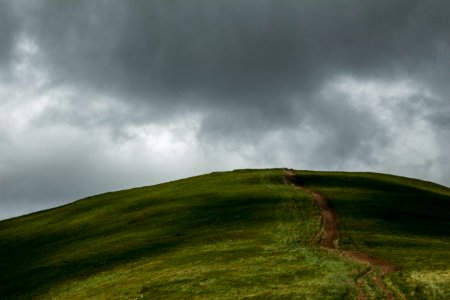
[230,235]
[401,220]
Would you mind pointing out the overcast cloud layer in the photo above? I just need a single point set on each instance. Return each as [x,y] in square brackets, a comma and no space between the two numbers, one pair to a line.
[104,95]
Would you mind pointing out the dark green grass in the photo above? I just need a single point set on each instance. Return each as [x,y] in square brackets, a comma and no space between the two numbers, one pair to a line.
[402,220]
[230,235]
[225,235]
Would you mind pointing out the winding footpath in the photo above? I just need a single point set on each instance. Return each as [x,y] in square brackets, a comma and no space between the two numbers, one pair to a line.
[328,237]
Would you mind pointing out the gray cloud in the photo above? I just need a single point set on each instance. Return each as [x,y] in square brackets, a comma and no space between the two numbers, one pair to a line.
[251,55]
[8,29]
[309,84]
[234,48]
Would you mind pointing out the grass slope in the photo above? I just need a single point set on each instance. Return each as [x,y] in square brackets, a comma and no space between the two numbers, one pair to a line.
[400,220]
[239,234]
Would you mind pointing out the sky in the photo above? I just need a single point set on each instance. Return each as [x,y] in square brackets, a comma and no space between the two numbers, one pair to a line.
[97,96]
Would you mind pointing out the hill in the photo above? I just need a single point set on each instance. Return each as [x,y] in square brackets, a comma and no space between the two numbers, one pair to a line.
[241,234]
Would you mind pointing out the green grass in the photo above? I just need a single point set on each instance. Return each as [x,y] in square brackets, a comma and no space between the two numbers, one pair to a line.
[401,220]
[229,235]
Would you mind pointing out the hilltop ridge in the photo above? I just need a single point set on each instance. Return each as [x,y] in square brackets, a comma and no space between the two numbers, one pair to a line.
[228,235]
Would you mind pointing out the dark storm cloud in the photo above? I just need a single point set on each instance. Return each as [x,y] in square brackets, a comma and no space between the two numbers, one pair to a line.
[319,84]
[246,54]
[8,29]
[232,47]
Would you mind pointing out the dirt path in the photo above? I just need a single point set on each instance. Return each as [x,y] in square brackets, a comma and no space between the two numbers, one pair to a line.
[328,237]
[377,270]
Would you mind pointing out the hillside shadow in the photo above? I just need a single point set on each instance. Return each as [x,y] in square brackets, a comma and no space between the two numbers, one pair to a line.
[395,207]
[23,274]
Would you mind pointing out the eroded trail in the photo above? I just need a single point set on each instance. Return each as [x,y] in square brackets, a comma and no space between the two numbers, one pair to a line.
[328,237]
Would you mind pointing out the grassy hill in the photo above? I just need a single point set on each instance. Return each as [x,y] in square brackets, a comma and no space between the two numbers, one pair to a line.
[231,235]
